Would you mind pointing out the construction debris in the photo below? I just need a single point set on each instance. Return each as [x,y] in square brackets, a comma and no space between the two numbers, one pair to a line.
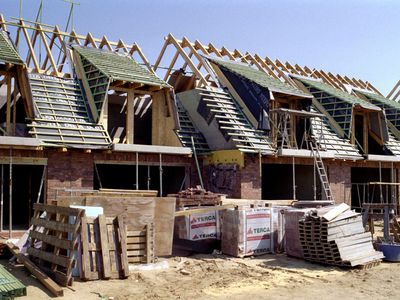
[332,236]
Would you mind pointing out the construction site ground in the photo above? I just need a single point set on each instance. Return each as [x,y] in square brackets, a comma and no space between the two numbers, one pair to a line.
[222,277]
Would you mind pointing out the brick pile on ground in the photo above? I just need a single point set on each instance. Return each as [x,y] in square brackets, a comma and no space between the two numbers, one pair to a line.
[196,197]
[335,235]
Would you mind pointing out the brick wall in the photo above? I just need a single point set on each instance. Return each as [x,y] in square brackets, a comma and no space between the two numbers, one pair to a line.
[250,179]
[340,178]
[71,170]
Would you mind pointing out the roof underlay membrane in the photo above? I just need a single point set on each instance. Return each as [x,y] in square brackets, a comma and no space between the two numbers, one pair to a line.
[8,53]
[339,105]
[101,67]
[61,115]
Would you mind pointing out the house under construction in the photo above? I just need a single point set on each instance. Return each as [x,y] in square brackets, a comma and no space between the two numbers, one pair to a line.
[83,113]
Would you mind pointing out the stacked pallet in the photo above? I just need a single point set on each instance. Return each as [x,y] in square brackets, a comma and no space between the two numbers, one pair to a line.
[196,197]
[336,238]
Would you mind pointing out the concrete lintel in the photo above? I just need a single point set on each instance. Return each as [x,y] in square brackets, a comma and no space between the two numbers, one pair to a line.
[304,153]
[390,158]
[151,149]
[16,141]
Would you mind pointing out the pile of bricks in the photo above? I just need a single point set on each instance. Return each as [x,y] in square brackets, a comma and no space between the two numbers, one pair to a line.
[197,197]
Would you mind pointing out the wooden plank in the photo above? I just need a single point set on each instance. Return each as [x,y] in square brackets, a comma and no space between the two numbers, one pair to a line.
[85,249]
[123,253]
[52,240]
[53,225]
[149,243]
[105,253]
[136,239]
[67,211]
[163,225]
[53,287]
[203,210]
[139,246]
[50,257]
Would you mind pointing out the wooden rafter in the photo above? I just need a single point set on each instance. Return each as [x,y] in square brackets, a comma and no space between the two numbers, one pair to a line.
[55,41]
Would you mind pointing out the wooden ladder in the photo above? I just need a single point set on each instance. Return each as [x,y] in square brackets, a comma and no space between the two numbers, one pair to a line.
[321,171]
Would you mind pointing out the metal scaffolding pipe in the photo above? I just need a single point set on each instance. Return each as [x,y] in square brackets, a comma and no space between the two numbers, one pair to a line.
[294,178]
[161,172]
[137,170]
[10,197]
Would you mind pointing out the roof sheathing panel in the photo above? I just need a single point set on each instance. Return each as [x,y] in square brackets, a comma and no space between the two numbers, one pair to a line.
[119,67]
[8,53]
[61,117]
[260,78]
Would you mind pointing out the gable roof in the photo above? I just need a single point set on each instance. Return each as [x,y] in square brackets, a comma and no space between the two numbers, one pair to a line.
[259,77]
[118,66]
[8,53]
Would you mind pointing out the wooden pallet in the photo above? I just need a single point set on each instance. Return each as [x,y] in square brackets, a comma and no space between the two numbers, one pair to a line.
[104,253]
[140,244]
[56,228]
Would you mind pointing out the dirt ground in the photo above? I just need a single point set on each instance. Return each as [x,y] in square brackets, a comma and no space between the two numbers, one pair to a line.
[221,277]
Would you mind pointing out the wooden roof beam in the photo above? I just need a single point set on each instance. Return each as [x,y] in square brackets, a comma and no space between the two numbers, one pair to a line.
[396,86]
[187,58]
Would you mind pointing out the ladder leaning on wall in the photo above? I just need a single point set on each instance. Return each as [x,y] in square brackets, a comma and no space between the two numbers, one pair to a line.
[319,164]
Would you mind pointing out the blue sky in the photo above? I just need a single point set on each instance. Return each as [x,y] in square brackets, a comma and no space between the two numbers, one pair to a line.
[358,38]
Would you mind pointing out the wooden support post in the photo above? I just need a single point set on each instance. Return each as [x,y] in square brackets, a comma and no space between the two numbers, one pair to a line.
[8,116]
[130,118]
[14,118]
[161,176]
[137,171]
[294,178]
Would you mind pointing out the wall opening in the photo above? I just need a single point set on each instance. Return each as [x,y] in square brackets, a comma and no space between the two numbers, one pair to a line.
[113,176]
[277,182]
[361,192]
[26,181]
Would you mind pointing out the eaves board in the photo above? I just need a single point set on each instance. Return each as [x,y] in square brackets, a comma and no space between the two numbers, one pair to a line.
[119,66]
[259,77]
[8,53]
[62,118]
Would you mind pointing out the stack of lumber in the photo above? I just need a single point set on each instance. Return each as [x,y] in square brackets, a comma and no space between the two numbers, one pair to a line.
[335,235]
[196,197]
